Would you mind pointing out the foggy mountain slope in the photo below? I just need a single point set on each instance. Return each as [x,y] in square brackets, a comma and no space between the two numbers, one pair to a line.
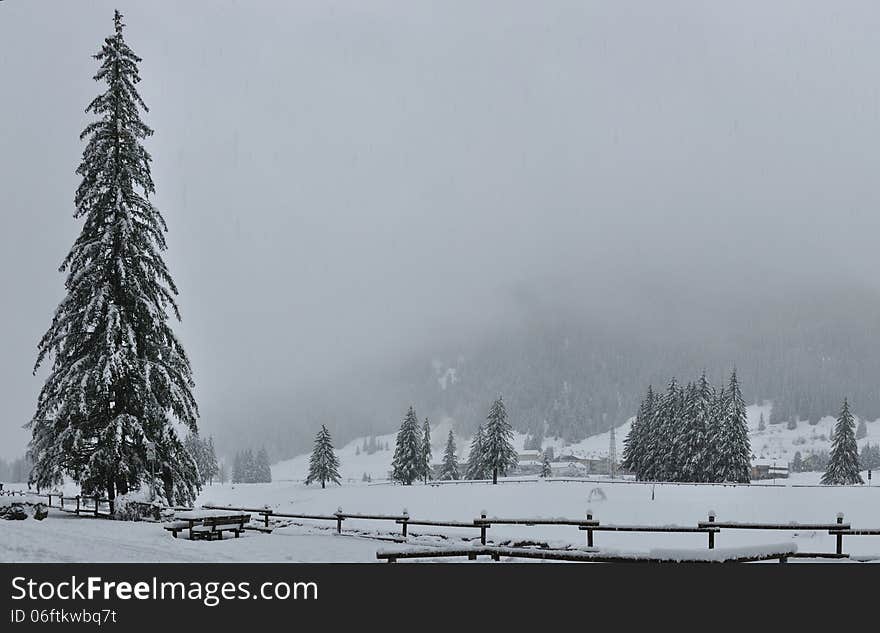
[582,372]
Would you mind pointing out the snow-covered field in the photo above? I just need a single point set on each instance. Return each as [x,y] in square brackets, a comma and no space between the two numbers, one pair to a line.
[63,537]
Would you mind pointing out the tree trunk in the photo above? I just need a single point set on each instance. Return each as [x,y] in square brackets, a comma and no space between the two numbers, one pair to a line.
[494,475]
[168,484]
[111,489]
[322,484]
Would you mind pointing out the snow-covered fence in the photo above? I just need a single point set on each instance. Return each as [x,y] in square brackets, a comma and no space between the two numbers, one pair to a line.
[589,525]
[80,505]
[780,552]
[657,529]
[487,522]
[838,528]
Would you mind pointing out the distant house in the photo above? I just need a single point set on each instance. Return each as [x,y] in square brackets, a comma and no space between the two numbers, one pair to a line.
[768,469]
[529,456]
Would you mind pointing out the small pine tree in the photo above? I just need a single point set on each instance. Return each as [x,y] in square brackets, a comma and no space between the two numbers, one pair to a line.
[425,454]
[797,464]
[546,468]
[449,470]
[406,464]
[475,468]
[323,464]
[791,425]
[861,430]
[499,456]
[843,466]
[761,425]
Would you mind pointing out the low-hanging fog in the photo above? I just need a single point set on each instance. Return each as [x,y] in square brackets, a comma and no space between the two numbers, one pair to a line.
[357,189]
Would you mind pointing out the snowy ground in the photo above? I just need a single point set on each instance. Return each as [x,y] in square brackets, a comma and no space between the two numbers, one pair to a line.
[63,537]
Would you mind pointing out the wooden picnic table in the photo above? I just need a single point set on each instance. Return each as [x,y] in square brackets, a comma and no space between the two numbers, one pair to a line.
[190,519]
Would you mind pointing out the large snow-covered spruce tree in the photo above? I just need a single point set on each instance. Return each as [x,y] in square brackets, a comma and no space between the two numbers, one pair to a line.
[323,464]
[406,466]
[499,456]
[449,469]
[119,376]
[843,467]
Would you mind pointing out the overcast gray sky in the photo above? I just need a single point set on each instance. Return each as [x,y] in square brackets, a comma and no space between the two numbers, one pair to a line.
[344,180]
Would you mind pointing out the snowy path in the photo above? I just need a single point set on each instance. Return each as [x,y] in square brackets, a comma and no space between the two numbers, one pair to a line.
[67,538]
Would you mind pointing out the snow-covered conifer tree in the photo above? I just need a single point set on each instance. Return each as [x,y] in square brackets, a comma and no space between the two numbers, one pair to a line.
[734,449]
[659,458]
[118,375]
[262,467]
[475,468]
[843,467]
[323,464]
[499,456]
[425,454]
[406,465]
[635,443]
[450,470]
[546,468]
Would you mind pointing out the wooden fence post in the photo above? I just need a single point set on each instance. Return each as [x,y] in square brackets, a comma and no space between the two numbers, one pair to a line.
[62,500]
[483,528]
[50,499]
[266,514]
[589,531]
[839,535]
[77,505]
[405,519]
[97,503]
[339,520]
[711,534]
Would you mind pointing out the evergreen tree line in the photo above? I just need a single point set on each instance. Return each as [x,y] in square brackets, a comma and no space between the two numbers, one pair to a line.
[693,433]
[202,451]
[869,457]
[251,468]
[370,446]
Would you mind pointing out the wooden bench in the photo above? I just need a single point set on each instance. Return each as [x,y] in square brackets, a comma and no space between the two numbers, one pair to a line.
[212,527]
